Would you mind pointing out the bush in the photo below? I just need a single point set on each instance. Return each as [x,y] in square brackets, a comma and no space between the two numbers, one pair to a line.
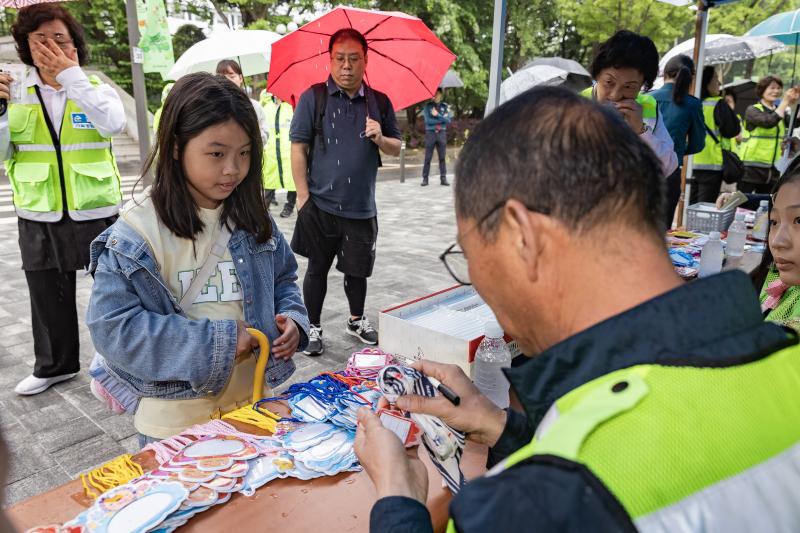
[457,132]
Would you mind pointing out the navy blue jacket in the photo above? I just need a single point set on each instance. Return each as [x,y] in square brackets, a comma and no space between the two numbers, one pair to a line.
[545,493]
[684,122]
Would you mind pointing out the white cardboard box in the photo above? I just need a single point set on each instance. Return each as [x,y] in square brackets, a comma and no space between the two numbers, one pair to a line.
[446,327]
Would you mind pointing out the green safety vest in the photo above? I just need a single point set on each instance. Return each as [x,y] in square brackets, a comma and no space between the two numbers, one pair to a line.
[278,175]
[763,145]
[686,448]
[710,158]
[648,103]
[83,163]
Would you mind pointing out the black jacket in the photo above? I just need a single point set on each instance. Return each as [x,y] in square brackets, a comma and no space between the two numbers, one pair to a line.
[714,321]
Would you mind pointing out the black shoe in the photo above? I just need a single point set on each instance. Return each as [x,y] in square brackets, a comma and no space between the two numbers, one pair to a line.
[287,210]
[445,182]
[362,329]
[315,346]
[424,182]
[274,201]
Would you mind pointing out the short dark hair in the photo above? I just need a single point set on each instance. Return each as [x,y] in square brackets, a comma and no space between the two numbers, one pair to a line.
[30,18]
[765,82]
[626,49]
[228,64]
[196,102]
[347,34]
[564,156]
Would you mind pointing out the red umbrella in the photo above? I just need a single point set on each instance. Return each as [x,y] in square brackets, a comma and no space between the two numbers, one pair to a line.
[405,59]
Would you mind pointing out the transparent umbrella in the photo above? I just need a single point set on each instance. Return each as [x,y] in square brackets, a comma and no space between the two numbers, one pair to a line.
[784,27]
[530,77]
[250,48]
[724,48]
[24,3]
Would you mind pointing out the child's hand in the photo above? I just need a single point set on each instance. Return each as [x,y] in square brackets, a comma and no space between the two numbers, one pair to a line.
[244,341]
[285,346]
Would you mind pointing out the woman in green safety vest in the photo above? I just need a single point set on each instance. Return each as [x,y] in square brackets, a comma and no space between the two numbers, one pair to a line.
[622,66]
[56,144]
[722,126]
[764,122]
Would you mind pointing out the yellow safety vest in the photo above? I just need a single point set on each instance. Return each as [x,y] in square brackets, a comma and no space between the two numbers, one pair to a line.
[763,145]
[278,150]
[81,161]
[711,156]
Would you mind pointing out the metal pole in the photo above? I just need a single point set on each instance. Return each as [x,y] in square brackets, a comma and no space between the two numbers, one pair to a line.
[403,162]
[701,30]
[139,92]
[496,65]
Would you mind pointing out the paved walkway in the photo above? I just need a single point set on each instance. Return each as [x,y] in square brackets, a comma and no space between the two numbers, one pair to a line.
[64,431]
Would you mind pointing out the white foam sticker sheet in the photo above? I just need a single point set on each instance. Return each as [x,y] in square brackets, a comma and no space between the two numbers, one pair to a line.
[307,436]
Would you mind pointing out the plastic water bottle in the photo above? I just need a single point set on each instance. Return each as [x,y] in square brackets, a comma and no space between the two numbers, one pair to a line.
[711,258]
[737,234]
[492,356]
[762,221]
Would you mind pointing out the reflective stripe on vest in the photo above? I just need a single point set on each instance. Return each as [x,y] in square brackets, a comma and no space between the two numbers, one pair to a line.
[90,175]
[687,448]
[710,157]
[762,147]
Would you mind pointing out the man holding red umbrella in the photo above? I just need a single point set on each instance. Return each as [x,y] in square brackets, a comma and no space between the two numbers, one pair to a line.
[338,128]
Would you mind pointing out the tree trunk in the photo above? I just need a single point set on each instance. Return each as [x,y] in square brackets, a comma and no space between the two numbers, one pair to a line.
[221,13]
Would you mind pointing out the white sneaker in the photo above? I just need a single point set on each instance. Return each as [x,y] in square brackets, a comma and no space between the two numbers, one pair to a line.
[33,385]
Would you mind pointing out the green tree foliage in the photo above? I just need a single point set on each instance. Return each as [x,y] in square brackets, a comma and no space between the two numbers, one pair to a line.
[185,37]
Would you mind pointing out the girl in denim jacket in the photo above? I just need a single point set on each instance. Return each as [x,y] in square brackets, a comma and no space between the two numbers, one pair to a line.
[173,365]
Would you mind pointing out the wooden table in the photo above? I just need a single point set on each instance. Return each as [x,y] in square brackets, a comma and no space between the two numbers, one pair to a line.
[334,503]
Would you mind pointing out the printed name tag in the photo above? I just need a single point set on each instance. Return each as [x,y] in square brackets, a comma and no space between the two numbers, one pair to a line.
[81,122]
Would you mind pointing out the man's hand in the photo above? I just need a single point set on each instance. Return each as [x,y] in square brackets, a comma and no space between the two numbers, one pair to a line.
[434,112]
[52,59]
[5,86]
[792,95]
[373,131]
[476,415]
[632,113]
[301,200]
[393,470]
[244,341]
[285,346]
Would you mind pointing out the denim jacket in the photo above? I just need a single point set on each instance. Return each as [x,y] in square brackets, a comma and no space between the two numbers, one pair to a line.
[149,343]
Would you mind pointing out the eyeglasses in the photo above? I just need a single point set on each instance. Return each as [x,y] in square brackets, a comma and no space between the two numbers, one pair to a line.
[454,259]
[60,40]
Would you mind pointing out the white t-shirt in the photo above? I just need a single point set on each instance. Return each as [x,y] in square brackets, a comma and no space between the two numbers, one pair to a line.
[179,260]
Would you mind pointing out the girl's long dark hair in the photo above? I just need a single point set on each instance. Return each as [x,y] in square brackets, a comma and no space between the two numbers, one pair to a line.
[681,69]
[791,175]
[196,102]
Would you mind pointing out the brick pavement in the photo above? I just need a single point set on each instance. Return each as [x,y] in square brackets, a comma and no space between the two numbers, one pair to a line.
[58,434]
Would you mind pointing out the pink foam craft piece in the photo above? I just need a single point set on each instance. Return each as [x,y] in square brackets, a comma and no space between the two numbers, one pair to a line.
[166,449]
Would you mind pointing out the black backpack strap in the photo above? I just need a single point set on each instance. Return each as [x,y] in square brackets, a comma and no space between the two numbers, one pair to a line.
[716,140]
[320,102]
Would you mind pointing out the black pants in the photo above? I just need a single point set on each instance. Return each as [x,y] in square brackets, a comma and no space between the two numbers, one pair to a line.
[323,237]
[706,185]
[439,141]
[55,322]
[673,195]
[291,198]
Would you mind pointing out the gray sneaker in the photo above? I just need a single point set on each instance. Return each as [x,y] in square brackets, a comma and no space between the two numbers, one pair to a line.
[362,329]
[315,346]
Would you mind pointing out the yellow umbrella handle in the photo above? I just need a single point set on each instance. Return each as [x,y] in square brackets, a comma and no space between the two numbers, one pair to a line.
[261,364]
